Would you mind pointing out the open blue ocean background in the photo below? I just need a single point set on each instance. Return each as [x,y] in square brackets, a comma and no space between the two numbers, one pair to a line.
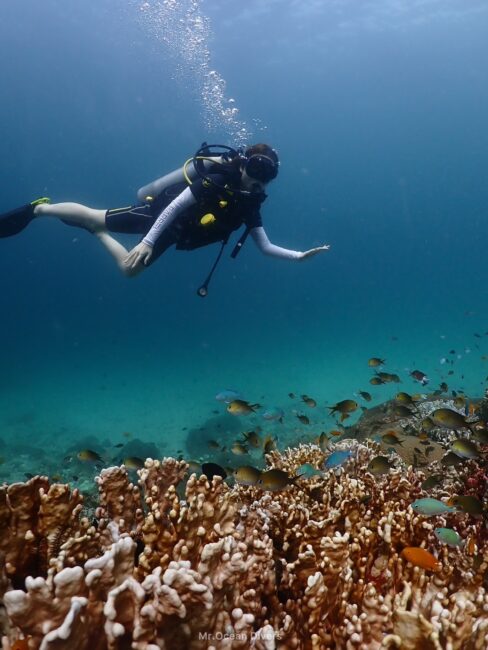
[379,113]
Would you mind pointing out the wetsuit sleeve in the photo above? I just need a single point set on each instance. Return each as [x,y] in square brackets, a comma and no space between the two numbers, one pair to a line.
[181,203]
[265,246]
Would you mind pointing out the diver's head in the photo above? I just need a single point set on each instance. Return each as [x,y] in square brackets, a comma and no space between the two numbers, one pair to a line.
[260,164]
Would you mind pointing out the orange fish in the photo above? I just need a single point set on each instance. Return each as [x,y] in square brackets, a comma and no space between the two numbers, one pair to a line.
[470,546]
[472,408]
[421,558]
[20,644]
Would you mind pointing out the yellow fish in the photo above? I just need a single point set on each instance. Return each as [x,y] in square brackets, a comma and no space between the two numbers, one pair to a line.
[241,407]
[87,455]
[374,362]
[247,475]
[239,449]
[133,462]
[275,479]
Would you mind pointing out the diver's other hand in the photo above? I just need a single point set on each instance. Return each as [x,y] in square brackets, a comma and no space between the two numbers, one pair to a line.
[313,251]
[140,254]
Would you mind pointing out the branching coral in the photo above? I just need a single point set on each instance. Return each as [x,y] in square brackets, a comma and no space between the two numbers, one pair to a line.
[316,565]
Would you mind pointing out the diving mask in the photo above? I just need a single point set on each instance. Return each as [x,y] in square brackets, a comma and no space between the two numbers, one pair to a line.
[261,167]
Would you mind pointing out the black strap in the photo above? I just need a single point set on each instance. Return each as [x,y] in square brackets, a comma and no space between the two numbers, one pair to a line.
[202,291]
[240,243]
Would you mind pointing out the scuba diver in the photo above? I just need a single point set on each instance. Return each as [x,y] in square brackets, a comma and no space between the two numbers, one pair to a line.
[216,191]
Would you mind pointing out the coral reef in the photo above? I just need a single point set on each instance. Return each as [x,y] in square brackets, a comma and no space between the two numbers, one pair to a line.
[316,565]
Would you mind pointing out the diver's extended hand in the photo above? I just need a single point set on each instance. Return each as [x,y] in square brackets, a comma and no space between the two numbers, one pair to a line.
[314,251]
[140,254]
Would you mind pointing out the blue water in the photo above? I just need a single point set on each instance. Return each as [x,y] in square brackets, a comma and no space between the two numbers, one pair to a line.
[378,111]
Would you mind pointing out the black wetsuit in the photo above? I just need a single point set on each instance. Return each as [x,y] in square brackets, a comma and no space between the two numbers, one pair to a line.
[230,210]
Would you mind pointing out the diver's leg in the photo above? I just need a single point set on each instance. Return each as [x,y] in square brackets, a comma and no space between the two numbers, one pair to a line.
[119,253]
[75,214]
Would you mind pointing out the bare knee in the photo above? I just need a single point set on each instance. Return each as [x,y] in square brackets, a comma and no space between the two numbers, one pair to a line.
[129,272]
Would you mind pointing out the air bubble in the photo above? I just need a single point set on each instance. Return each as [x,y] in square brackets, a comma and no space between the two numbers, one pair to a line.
[184,30]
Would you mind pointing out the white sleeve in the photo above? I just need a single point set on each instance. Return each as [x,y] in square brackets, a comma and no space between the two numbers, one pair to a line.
[181,203]
[265,246]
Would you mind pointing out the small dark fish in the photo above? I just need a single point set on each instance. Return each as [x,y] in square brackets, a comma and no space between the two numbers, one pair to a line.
[252,438]
[388,377]
[247,475]
[374,362]
[309,401]
[241,407]
[427,424]
[291,395]
[444,387]
[303,419]
[465,448]
[344,407]
[88,455]
[466,503]
[133,462]
[450,372]
[419,376]
[276,479]
[459,402]
[405,399]
[213,444]
[269,443]
[432,482]
[379,465]
[120,444]
[239,449]
[323,441]
[402,411]
[366,396]
[391,438]
[212,469]
[376,381]
[451,459]
[449,419]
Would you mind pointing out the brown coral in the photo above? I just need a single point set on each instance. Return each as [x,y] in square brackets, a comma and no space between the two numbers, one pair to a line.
[314,566]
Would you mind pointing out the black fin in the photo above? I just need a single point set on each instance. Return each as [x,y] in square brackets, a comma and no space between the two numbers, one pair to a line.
[16,220]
